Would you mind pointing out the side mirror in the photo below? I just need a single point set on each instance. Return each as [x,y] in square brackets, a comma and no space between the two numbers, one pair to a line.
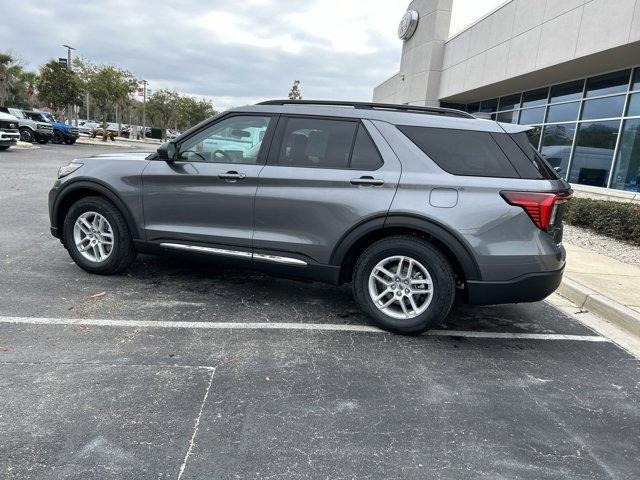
[167,151]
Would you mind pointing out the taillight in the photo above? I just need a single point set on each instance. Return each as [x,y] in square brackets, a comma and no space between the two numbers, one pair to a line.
[541,207]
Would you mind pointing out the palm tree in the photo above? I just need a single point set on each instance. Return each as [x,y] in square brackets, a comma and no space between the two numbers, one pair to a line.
[10,71]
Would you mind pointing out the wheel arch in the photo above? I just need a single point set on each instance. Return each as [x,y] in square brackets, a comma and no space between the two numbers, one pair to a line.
[370,231]
[81,189]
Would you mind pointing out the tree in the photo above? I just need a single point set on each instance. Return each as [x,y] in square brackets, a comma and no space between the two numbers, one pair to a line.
[28,84]
[162,109]
[10,70]
[57,86]
[294,93]
[191,111]
[109,86]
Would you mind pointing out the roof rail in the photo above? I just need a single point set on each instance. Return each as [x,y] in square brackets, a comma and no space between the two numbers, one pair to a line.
[449,112]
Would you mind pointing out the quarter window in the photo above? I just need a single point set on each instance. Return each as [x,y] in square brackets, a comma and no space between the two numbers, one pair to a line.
[365,154]
[317,143]
[233,140]
[462,152]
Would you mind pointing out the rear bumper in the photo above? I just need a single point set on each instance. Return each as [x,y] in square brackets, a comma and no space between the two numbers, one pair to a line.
[526,288]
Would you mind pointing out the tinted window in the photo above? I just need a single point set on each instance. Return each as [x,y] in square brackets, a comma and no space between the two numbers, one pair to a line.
[508,117]
[634,105]
[531,164]
[608,107]
[610,83]
[535,98]
[564,112]
[510,102]
[556,145]
[489,105]
[462,152]
[365,154]
[593,155]
[626,175]
[317,143]
[473,107]
[531,116]
[567,91]
[635,85]
[233,140]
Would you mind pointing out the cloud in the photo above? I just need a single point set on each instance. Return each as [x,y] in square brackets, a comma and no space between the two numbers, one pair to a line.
[233,52]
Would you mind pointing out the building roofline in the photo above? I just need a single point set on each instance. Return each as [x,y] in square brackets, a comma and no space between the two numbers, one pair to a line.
[471,25]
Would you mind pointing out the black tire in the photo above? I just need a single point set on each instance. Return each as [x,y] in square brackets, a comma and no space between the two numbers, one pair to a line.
[58,137]
[69,141]
[439,268]
[26,135]
[42,140]
[123,253]
[4,147]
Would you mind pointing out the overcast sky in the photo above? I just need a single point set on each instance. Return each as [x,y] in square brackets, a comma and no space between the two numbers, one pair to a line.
[233,52]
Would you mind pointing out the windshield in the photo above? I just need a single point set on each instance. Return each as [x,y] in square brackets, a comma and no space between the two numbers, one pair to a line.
[47,117]
[17,113]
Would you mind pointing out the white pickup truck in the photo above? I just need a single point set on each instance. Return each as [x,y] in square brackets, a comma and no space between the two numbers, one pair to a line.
[9,134]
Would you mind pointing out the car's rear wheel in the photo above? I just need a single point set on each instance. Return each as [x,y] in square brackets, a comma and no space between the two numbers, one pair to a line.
[404,284]
[26,135]
[70,141]
[97,237]
[58,137]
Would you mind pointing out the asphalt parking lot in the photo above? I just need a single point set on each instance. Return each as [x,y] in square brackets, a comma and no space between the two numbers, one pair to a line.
[191,371]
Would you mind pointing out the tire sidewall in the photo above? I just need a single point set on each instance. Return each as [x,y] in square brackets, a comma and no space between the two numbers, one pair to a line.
[439,270]
[93,205]
[26,135]
[58,137]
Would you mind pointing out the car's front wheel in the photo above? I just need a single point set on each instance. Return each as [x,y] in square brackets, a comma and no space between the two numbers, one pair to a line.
[97,236]
[26,135]
[404,284]
[58,137]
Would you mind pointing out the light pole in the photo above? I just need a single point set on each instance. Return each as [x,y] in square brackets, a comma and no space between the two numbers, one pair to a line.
[144,109]
[69,107]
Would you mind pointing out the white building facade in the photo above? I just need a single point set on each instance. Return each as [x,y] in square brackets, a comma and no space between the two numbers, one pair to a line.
[568,68]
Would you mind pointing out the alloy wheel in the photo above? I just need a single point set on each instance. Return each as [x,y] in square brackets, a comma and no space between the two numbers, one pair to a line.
[401,287]
[93,237]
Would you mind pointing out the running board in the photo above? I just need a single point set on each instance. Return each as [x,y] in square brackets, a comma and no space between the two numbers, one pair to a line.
[235,253]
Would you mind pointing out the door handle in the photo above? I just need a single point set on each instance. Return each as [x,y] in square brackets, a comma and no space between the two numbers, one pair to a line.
[232,176]
[368,181]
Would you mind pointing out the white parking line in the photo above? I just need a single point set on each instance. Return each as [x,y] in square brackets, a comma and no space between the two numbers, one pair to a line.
[288,326]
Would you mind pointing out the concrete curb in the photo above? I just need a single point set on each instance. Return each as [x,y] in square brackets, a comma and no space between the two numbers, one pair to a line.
[612,311]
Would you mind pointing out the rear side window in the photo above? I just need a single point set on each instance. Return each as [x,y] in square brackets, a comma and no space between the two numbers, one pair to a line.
[317,143]
[534,166]
[462,152]
[365,154]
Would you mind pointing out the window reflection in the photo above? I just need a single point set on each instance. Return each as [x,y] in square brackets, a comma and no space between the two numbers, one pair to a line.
[535,98]
[595,144]
[609,107]
[634,105]
[567,91]
[616,82]
[532,116]
[556,145]
[626,175]
[564,112]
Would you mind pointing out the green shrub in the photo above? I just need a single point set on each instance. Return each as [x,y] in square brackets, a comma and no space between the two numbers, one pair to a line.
[613,219]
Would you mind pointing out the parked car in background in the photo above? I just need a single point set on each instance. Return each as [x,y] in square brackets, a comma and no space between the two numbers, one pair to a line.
[86,127]
[62,133]
[112,130]
[411,205]
[31,129]
[9,134]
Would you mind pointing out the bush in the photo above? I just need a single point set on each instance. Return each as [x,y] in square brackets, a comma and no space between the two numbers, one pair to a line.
[613,219]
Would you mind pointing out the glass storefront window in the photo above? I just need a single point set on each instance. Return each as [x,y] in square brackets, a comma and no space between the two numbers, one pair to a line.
[489,106]
[633,110]
[564,112]
[610,83]
[473,107]
[635,85]
[567,91]
[609,107]
[595,145]
[535,98]
[556,145]
[626,175]
[508,117]
[533,136]
[532,116]
[510,102]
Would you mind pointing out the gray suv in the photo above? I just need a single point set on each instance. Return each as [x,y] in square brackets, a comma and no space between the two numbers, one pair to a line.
[412,205]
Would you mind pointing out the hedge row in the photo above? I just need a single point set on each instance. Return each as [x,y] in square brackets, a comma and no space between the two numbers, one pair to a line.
[614,219]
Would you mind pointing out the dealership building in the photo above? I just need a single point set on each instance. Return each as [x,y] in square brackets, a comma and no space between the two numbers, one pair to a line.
[568,68]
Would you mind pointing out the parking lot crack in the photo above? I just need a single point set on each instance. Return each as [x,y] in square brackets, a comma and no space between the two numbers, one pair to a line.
[196,426]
